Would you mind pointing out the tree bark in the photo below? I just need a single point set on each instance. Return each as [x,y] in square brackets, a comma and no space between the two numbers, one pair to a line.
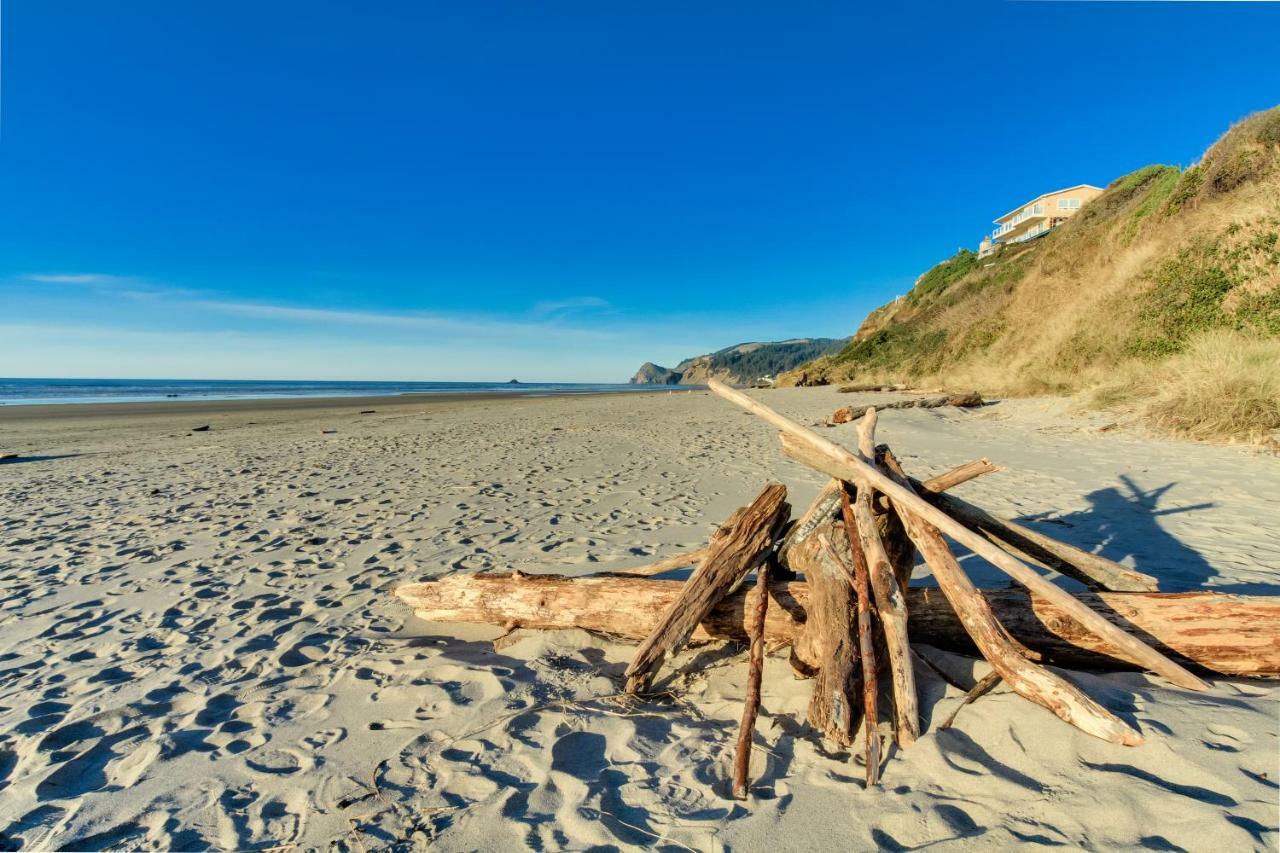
[755,671]
[735,549]
[1234,635]
[828,643]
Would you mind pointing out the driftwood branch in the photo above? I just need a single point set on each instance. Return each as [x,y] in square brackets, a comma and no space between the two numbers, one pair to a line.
[735,549]
[755,671]
[1028,679]
[678,561]
[984,686]
[866,646]
[1090,569]
[839,462]
[1235,635]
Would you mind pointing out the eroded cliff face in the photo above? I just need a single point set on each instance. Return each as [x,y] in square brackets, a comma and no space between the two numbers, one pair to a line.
[741,364]
[653,374]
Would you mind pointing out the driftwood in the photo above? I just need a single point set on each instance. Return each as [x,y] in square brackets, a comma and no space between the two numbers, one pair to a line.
[828,642]
[1027,678]
[891,606]
[1090,569]
[738,547]
[982,688]
[959,474]
[866,647]
[838,462]
[679,561]
[846,414]
[755,671]
[1234,635]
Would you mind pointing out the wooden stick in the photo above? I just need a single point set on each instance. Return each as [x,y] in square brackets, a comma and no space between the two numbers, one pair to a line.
[755,670]
[1091,569]
[960,474]
[839,462]
[891,606]
[678,561]
[1235,635]
[734,551]
[866,647]
[1028,679]
[983,687]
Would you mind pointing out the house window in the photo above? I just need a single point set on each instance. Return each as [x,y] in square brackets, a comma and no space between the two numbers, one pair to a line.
[1068,204]
[1038,209]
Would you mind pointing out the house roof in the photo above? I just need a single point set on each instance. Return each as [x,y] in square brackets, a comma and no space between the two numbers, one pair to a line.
[997,220]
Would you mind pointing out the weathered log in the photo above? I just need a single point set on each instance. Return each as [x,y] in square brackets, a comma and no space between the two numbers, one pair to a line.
[1028,679]
[845,414]
[839,462]
[736,548]
[755,671]
[866,647]
[960,474]
[1234,635]
[829,640]
[1091,569]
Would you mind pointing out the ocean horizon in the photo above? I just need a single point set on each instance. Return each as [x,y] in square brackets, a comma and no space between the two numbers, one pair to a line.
[33,391]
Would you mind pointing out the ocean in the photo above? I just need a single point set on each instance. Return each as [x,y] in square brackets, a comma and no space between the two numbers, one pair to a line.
[44,391]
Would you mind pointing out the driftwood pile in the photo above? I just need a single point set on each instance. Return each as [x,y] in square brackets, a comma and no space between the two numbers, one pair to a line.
[849,623]
[967,400]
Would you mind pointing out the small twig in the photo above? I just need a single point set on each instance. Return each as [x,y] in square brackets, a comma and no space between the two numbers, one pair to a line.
[984,685]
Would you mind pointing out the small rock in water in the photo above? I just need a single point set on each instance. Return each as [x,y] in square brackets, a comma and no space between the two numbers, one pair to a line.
[327,431]
[8,456]
[368,411]
[204,428]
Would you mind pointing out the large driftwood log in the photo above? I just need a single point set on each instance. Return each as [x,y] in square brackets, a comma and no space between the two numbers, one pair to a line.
[1091,569]
[736,548]
[755,672]
[838,462]
[1234,635]
[829,640]
[1030,680]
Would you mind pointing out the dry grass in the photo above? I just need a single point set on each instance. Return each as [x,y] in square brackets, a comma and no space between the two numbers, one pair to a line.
[1224,386]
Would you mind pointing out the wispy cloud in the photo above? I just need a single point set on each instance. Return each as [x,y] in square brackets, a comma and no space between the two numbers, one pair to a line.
[88,279]
[573,305]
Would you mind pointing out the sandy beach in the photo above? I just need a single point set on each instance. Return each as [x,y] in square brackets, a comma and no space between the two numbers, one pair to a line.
[200,648]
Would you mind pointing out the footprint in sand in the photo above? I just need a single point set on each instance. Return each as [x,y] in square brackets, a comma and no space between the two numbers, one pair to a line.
[1226,738]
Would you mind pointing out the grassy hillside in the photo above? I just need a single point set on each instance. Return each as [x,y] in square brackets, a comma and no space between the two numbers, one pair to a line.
[1162,294]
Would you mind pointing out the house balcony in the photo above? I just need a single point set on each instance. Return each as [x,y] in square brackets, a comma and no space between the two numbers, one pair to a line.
[1024,226]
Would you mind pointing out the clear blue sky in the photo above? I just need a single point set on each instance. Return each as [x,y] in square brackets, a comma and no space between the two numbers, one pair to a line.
[553,191]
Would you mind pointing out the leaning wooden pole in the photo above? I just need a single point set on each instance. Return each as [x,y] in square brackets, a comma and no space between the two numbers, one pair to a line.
[755,671]
[735,549]
[866,648]
[1028,679]
[891,605]
[839,462]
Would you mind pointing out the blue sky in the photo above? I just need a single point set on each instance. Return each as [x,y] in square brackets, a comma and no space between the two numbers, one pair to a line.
[553,191]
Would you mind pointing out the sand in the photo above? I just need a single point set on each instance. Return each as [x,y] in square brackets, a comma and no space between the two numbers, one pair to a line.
[200,649]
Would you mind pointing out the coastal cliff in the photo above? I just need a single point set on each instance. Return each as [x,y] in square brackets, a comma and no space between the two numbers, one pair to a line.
[741,364]
[1162,295]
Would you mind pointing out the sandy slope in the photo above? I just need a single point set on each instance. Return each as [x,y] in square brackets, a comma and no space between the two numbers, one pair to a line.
[199,648]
